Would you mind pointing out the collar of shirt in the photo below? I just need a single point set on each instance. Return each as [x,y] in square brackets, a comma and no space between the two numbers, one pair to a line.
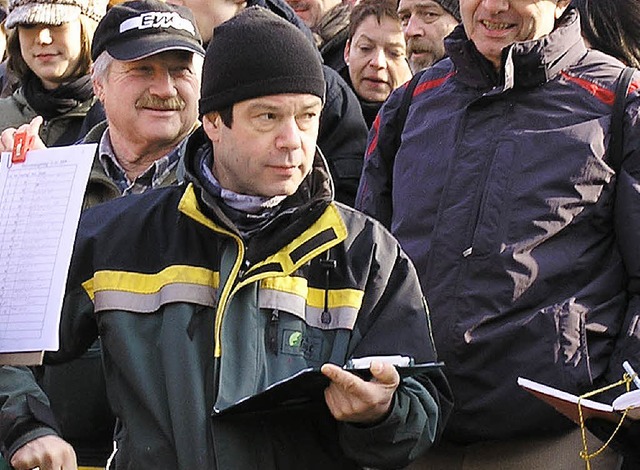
[150,178]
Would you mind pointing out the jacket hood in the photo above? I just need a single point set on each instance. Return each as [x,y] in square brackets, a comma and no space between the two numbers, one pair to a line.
[524,64]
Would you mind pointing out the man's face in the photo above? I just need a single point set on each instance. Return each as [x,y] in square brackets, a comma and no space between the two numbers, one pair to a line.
[270,146]
[425,25]
[151,102]
[377,58]
[211,13]
[312,11]
[495,24]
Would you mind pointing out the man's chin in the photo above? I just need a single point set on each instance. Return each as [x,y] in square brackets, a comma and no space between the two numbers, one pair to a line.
[420,61]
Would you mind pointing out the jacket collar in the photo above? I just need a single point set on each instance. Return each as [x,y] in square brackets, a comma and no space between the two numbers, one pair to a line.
[299,210]
[525,64]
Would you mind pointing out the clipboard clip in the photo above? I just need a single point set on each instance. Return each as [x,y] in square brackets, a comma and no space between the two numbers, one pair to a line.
[21,145]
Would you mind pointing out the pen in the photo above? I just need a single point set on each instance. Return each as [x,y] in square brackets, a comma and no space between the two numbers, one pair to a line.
[629,370]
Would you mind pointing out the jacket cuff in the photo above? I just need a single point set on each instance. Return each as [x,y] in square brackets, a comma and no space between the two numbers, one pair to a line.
[41,423]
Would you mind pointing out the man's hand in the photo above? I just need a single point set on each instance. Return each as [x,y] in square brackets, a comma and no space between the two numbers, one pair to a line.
[354,400]
[7,136]
[47,453]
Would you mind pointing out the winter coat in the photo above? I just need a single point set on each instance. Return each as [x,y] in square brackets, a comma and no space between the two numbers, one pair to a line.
[15,111]
[80,407]
[503,195]
[193,318]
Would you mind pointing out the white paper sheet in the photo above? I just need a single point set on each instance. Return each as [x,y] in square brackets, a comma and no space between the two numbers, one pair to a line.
[40,204]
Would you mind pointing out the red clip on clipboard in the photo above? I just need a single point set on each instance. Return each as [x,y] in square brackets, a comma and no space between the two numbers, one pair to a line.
[21,145]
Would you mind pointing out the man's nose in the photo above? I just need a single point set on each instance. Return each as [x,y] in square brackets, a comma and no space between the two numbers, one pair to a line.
[378,59]
[495,6]
[162,84]
[414,27]
[289,135]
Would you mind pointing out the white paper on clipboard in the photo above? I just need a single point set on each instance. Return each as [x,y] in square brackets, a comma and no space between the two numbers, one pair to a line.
[40,205]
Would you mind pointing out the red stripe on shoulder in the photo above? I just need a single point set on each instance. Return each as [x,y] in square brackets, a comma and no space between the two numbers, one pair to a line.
[374,140]
[429,84]
[601,93]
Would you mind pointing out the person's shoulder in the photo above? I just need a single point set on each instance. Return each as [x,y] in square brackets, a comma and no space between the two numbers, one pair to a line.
[14,111]
[94,134]
[132,211]
[358,222]
[436,74]
[598,68]
[335,84]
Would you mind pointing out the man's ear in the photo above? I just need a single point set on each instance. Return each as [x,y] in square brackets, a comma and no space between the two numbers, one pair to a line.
[98,89]
[347,48]
[212,123]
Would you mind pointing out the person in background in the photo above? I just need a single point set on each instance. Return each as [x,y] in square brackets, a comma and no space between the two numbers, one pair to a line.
[375,54]
[343,133]
[329,22]
[613,27]
[3,31]
[49,52]
[522,224]
[209,292]
[148,81]
[425,24]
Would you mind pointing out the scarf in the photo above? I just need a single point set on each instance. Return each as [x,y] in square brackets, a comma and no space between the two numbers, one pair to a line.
[250,214]
[53,103]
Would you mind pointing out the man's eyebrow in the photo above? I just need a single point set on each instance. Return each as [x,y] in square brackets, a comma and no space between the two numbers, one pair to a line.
[263,107]
[421,6]
[364,36]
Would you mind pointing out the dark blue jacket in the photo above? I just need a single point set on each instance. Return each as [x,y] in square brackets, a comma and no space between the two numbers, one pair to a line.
[503,197]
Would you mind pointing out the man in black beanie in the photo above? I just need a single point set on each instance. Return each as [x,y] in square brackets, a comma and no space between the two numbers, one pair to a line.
[227,324]
[343,132]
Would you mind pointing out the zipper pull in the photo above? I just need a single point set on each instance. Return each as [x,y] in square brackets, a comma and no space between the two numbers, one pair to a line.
[272,332]
[245,267]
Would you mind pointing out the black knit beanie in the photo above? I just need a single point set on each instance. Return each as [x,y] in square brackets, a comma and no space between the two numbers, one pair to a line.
[256,53]
[452,6]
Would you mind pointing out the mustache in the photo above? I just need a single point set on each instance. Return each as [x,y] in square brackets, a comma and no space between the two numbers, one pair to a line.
[175,103]
[414,46]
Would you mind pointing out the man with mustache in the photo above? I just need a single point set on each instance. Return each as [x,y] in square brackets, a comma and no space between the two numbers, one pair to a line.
[425,24]
[147,64]
[522,220]
[147,79]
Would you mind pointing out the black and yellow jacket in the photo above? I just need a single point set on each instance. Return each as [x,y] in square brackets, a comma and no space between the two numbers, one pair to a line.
[193,318]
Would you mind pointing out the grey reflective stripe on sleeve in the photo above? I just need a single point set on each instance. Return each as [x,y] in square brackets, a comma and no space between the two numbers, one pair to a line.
[149,303]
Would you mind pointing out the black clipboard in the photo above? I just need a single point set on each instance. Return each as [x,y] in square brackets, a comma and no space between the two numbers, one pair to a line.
[306,387]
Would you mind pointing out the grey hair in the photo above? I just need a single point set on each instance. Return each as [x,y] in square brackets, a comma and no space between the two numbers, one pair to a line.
[101,66]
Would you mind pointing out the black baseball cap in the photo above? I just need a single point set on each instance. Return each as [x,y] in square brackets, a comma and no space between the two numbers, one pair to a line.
[140,28]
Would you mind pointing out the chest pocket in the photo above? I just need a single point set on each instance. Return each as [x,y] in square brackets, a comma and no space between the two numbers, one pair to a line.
[326,309]
[304,321]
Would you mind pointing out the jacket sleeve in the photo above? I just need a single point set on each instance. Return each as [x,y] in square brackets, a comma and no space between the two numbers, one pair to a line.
[24,410]
[374,192]
[394,319]
[342,136]
[627,228]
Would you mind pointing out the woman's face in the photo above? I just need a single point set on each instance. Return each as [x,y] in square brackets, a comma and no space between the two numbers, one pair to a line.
[51,52]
